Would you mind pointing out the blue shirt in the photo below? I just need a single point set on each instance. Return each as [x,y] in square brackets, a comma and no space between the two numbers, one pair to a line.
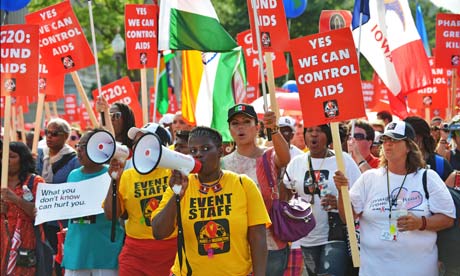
[87,244]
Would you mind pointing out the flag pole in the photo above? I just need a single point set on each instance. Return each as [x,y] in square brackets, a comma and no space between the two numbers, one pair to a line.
[21,123]
[454,92]
[157,74]
[261,62]
[93,36]
[84,97]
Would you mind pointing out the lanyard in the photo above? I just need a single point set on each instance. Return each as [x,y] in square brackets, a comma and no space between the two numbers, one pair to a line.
[391,201]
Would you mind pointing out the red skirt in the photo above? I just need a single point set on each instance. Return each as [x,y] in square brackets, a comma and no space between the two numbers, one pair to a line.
[147,257]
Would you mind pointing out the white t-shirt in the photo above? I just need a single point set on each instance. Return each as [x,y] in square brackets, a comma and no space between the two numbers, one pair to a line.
[414,252]
[298,170]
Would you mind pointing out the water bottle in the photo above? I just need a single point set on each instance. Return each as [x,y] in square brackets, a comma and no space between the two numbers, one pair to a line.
[398,211]
[27,194]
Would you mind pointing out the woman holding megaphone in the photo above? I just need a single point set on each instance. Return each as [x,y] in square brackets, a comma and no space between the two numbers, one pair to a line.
[138,195]
[221,217]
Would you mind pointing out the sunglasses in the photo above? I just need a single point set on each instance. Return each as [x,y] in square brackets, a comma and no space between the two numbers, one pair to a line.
[54,133]
[359,136]
[115,115]
[74,137]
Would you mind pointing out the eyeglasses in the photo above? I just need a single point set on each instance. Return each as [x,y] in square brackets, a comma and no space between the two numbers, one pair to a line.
[386,139]
[359,136]
[74,137]
[115,115]
[80,146]
[54,133]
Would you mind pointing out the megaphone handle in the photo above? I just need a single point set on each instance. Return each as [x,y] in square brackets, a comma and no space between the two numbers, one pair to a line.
[114,209]
[102,118]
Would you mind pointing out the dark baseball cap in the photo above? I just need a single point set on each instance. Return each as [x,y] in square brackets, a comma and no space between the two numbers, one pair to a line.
[245,109]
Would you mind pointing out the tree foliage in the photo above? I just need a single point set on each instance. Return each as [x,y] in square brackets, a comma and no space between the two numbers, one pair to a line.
[233,14]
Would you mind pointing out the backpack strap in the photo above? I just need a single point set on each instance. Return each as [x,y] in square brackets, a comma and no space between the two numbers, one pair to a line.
[30,184]
[62,162]
[425,188]
[439,163]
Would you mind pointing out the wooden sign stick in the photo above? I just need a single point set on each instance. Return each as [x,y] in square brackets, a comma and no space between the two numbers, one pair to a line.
[84,97]
[21,124]
[55,110]
[14,135]
[345,196]
[6,142]
[144,98]
[47,111]
[38,122]
[271,84]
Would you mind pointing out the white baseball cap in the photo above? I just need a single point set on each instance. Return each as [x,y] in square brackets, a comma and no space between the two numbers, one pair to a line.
[399,130]
[154,128]
[286,121]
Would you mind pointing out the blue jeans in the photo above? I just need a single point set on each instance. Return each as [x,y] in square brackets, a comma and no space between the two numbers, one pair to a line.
[329,259]
[277,261]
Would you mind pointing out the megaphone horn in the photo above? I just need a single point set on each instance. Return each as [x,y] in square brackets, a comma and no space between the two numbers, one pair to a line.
[150,154]
[100,146]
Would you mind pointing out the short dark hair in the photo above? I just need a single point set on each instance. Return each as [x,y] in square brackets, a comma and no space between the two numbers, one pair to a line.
[183,134]
[385,115]
[324,128]
[26,159]
[201,131]
[370,133]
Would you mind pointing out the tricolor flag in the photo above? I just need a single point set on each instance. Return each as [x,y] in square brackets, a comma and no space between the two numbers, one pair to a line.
[392,45]
[163,84]
[210,81]
[192,25]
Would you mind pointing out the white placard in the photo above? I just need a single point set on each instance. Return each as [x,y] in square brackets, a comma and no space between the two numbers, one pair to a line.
[71,200]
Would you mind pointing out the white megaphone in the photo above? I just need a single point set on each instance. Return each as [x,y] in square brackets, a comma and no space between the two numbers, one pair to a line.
[100,146]
[150,154]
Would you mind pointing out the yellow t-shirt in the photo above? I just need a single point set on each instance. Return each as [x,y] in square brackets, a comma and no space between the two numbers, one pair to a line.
[140,195]
[217,224]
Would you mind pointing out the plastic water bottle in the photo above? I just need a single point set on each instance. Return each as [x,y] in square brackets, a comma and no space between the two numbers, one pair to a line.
[398,211]
[27,194]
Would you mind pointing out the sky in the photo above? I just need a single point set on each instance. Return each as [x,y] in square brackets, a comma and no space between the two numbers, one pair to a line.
[452,5]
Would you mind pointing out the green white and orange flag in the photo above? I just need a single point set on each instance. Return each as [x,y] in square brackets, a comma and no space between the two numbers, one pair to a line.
[192,25]
[210,81]
[163,83]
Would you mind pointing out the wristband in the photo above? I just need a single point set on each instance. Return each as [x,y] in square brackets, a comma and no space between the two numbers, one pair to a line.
[423,224]
[361,162]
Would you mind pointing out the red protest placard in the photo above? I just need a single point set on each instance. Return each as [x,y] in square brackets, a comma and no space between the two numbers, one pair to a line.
[63,45]
[51,85]
[332,20]
[447,51]
[141,36]
[85,122]
[274,34]
[368,93]
[434,96]
[71,107]
[122,91]
[252,59]
[328,78]
[19,62]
